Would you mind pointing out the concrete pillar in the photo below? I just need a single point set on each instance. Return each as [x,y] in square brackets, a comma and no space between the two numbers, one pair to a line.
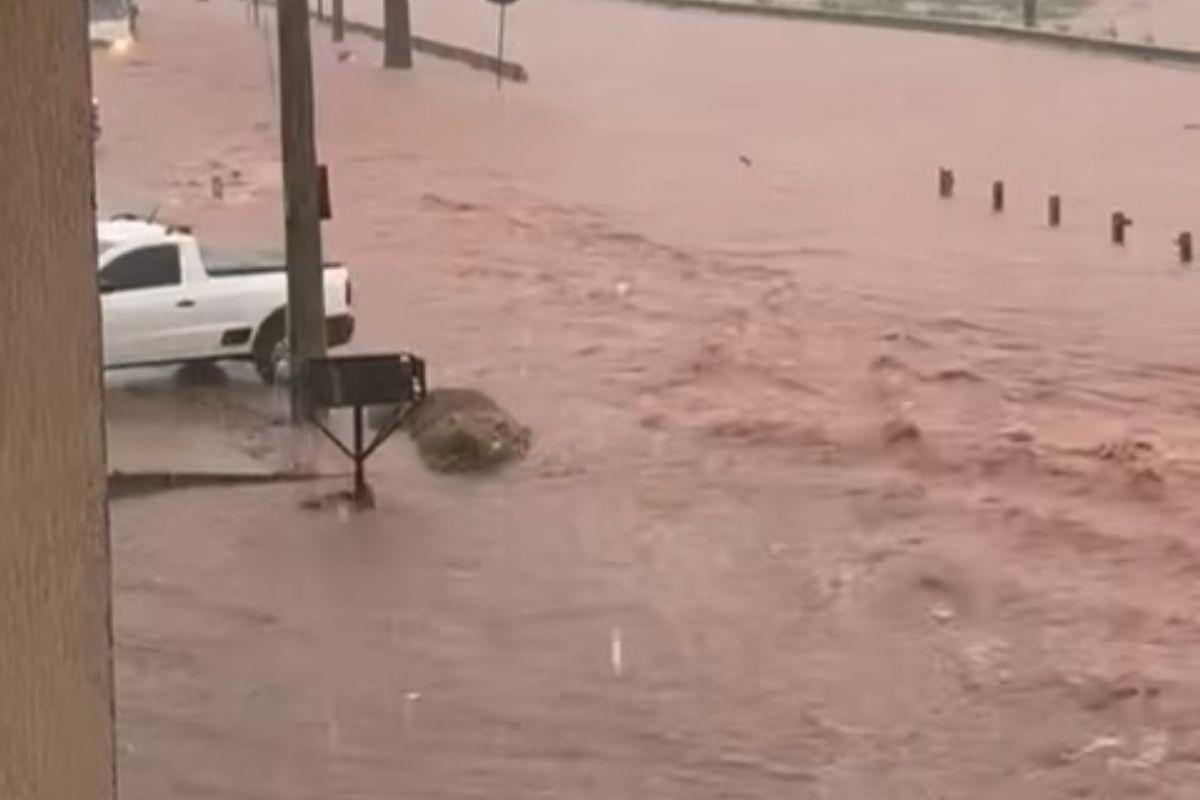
[56,680]
[397,35]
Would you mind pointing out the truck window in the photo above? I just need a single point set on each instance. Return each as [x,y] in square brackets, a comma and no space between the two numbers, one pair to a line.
[147,268]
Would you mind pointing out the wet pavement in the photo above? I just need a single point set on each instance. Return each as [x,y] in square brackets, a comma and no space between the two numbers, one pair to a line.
[837,490]
[192,420]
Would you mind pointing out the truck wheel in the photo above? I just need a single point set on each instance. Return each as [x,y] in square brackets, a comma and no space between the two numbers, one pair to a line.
[270,351]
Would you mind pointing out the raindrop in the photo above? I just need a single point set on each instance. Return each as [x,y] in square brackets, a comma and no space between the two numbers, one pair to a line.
[617,652]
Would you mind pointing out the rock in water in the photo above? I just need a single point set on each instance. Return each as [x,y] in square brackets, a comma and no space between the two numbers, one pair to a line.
[464,430]
[899,430]
[461,430]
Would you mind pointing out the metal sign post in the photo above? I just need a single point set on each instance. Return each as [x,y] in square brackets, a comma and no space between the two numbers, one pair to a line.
[504,4]
[357,382]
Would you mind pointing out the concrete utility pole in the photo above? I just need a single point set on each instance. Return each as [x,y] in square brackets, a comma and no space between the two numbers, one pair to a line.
[339,20]
[301,191]
[397,35]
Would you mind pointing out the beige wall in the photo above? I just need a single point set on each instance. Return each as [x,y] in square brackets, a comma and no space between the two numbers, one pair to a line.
[55,646]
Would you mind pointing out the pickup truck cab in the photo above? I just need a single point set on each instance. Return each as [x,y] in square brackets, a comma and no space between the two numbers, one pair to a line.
[166,300]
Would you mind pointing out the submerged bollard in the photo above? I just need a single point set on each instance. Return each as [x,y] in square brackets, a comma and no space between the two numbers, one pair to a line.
[998,196]
[1119,223]
[945,182]
[1054,211]
[1184,242]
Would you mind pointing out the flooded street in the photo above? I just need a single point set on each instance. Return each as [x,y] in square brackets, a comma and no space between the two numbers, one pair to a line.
[838,490]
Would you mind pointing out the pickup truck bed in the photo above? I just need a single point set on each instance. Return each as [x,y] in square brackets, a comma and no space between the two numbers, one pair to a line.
[227,263]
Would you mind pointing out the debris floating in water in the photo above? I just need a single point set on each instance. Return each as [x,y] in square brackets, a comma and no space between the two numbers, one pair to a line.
[460,430]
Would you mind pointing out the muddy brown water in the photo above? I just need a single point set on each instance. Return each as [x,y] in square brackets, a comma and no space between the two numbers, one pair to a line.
[715,576]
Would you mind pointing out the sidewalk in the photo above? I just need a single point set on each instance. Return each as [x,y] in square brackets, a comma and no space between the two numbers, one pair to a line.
[212,426]
[157,422]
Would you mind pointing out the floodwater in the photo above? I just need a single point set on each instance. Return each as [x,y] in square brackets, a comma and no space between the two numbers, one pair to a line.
[839,490]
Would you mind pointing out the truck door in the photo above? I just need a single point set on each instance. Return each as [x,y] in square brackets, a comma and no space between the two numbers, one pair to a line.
[146,310]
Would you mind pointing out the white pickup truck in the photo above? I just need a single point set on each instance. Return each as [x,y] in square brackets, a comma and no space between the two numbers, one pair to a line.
[166,300]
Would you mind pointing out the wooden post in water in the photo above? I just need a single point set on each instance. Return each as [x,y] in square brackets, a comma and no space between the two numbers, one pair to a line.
[339,20]
[1054,211]
[397,35]
[1119,223]
[1030,8]
[945,182]
[1185,247]
[998,196]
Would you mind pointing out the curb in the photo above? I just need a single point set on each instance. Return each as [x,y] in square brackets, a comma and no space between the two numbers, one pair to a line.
[122,485]
[1144,52]
[471,58]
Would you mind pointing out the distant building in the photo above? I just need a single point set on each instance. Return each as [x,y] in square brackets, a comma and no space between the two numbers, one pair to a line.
[56,696]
